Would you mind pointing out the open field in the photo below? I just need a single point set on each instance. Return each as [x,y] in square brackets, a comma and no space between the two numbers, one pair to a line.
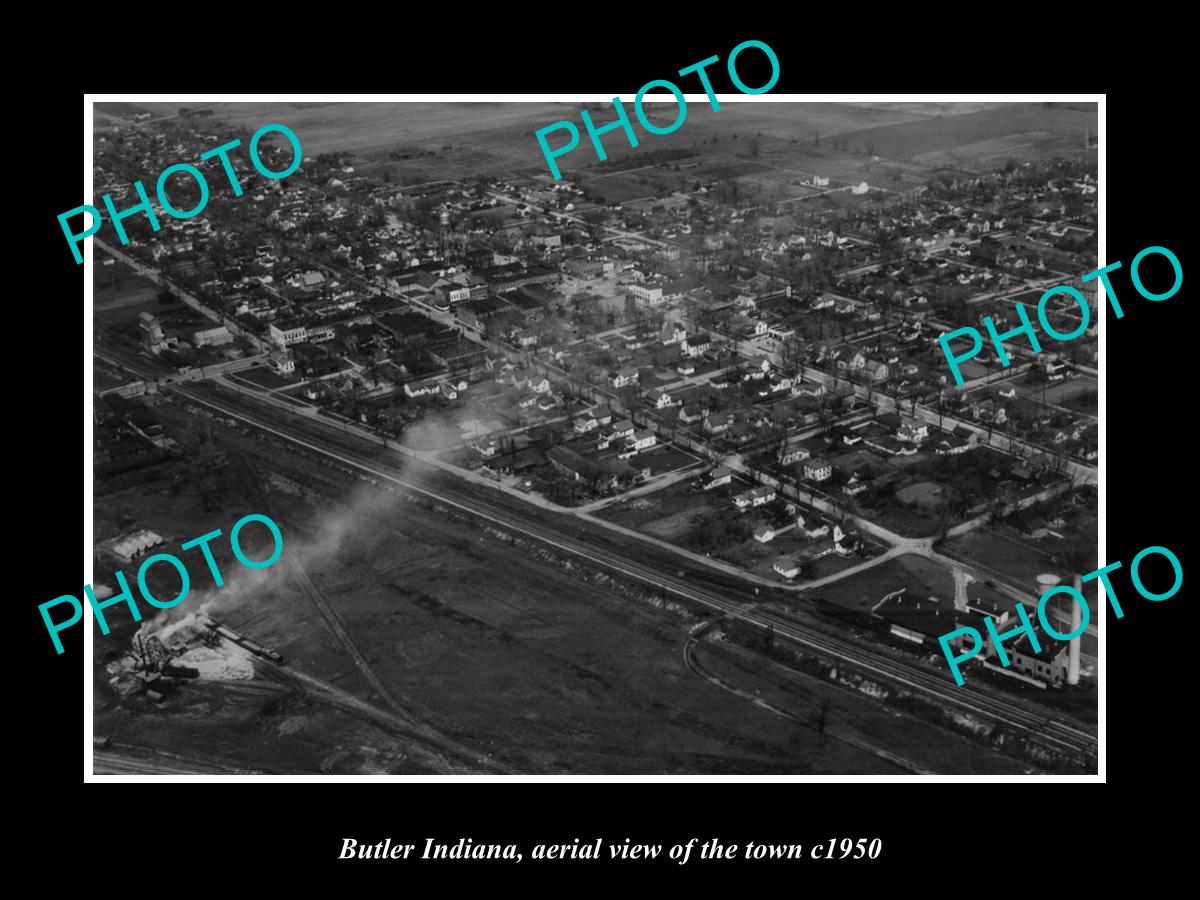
[1074,393]
[495,138]
[917,574]
[493,648]
[982,138]
[848,713]
[793,141]
[1021,559]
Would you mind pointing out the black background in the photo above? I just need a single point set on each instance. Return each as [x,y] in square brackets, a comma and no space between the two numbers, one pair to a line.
[951,837]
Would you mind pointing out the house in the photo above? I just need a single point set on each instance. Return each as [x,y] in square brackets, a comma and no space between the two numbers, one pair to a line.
[914,432]
[759,367]
[744,500]
[718,422]
[849,437]
[761,496]
[690,413]
[764,534]
[793,452]
[619,431]
[817,469]
[660,398]
[855,486]
[585,423]
[959,441]
[624,377]
[820,530]
[845,544]
[672,333]
[696,346]
[311,280]
[876,371]
[718,477]
[524,338]
[282,362]
[787,566]
[782,332]
[641,440]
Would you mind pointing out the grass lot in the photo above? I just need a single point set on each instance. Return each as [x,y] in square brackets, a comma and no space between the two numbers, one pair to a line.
[666,458]
[669,512]
[912,508]
[261,376]
[1004,550]
[920,576]
[1075,393]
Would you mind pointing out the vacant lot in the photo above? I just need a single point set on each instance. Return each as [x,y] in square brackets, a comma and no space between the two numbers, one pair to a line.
[1074,393]
[1003,550]
[920,576]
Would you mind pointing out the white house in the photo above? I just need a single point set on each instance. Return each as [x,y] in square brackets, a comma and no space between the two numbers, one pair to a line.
[787,567]
[764,534]
[820,530]
[817,469]
[673,333]
[623,377]
[660,398]
[642,440]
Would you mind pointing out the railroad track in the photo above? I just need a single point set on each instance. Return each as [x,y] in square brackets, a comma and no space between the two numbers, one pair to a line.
[1055,732]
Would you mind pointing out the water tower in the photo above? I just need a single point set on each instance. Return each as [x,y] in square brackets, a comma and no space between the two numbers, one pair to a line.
[443,231]
[1044,583]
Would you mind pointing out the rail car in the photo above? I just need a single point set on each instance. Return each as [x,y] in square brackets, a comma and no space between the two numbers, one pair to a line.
[244,642]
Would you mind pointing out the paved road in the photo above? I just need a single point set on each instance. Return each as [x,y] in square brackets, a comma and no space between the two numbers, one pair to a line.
[154,275]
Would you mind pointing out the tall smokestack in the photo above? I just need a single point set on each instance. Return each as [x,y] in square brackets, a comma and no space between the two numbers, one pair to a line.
[1073,647]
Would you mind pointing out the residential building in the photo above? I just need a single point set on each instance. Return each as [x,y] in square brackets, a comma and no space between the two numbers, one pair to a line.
[817,469]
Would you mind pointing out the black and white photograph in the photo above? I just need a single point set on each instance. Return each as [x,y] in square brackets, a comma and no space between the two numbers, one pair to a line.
[472,437]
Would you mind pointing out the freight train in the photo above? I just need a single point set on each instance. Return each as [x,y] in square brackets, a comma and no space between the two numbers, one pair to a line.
[244,642]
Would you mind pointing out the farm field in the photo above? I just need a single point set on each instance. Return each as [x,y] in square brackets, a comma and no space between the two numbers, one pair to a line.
[983,138]
[791,141]
[496,138]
